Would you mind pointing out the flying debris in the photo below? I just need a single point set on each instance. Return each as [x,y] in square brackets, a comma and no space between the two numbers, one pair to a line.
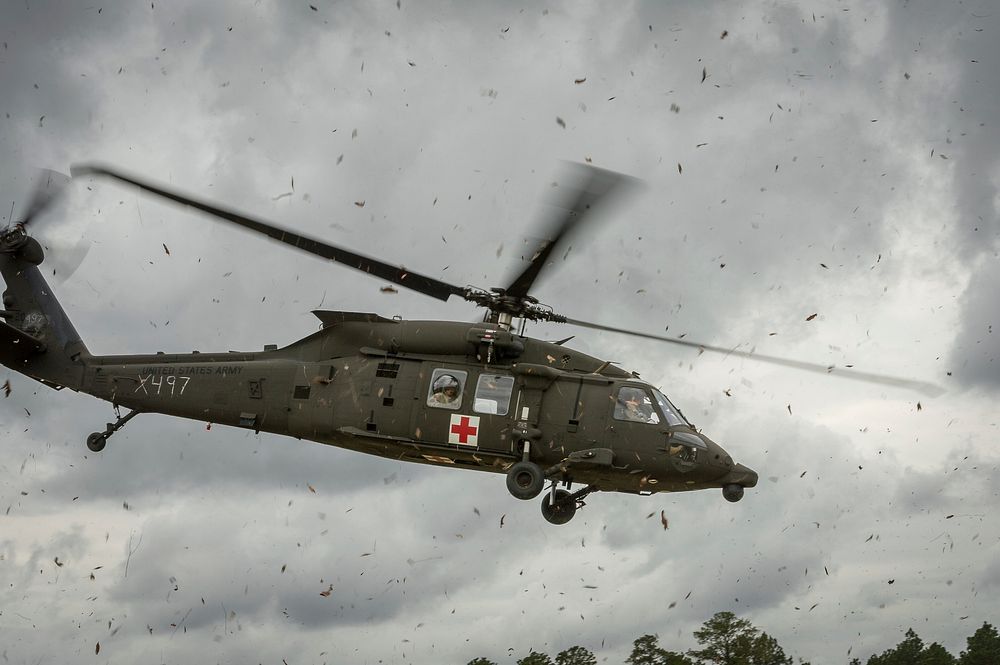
[460,395]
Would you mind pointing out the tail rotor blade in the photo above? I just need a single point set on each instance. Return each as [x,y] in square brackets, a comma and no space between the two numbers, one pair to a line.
[63,256]
[63,241]
[48,187]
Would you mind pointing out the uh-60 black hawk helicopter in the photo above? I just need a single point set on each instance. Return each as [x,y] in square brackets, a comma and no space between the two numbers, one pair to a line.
[468,395]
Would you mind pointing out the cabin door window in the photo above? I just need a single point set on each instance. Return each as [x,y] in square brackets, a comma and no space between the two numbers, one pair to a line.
[446,388]
[493,393]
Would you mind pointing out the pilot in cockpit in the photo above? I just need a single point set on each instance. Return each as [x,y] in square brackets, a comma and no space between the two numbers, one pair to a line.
[445,390]
[633,405]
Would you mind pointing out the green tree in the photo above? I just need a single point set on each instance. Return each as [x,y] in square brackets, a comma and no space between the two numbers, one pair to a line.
[909,650]
[725,639]
[677,659]
[935,654]
[765,650]
[576,656]
[646,650]
[983,648]
[906,652]
[481,661]
[535,658]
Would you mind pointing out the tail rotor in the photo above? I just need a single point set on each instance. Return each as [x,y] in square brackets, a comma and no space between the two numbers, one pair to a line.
[64,248]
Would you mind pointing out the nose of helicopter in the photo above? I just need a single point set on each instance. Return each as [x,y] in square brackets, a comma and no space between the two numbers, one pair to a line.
[740,475]
[733,473]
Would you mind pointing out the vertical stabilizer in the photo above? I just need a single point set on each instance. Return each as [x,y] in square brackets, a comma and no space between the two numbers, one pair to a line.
[37,337]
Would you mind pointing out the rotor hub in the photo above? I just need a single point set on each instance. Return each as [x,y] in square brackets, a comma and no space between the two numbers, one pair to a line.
[16,242]
[503,306]
[13,239]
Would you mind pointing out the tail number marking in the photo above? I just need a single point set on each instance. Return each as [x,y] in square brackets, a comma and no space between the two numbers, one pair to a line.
[158,384]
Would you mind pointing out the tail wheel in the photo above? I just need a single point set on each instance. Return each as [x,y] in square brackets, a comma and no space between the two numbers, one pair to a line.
[733,493]
[559,509]
[96,442]
[525,480]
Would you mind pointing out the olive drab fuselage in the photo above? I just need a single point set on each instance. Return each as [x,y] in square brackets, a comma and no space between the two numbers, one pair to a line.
[364,383]
[471,396]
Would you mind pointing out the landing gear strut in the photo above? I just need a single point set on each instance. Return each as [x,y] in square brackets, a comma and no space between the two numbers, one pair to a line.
[559,506]
[97,440]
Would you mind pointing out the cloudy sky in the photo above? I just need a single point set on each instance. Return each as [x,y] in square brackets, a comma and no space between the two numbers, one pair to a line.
[829,158]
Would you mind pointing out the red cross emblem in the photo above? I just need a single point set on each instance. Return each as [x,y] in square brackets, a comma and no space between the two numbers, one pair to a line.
[464,430]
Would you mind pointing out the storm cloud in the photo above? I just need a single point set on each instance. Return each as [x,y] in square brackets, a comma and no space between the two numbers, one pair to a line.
[831,159]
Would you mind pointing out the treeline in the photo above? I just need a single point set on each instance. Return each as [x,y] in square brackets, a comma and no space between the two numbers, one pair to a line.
[725,639]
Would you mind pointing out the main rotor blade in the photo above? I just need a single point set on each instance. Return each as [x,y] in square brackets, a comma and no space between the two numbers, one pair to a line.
[586,187]
[395,274]
[50,184]
[929,389]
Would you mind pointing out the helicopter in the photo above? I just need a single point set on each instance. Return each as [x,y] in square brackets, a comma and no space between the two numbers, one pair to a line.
[481,396]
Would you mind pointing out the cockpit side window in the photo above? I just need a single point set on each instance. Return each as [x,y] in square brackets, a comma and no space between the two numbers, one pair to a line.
[634,405]
[671,412]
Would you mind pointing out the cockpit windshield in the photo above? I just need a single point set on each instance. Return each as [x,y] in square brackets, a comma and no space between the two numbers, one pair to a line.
[670,412]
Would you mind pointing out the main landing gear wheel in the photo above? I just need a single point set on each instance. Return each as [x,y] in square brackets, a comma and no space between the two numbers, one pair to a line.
[733,493]
[560,508]
[525,480]
[96,442]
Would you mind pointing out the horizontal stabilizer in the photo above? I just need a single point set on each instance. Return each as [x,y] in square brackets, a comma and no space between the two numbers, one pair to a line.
[332,317]
[17,346]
